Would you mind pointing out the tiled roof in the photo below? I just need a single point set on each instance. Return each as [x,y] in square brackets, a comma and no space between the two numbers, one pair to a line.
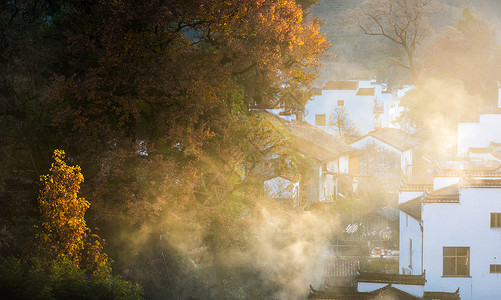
[488,168]
[391,278]
[365,92]
[393,137]
[480,183]
[312,141]
[441,295]
[386,292]
[407,187]
[341,85]
[341,267]
[448,194]
[412,207]
[316,91]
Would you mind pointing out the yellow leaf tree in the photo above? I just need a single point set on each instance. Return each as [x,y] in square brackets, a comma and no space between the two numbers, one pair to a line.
[64,231]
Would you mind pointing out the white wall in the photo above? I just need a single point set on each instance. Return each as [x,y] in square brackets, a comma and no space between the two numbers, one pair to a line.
[344,164]
[405,156]
[479,134]
[404,196]
[443,181]
[360,108]
[410,229]
[466,224]
[365,287]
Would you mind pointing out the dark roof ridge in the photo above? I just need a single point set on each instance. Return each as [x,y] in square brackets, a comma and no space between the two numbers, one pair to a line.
[412,207]
[392,278]
[447,194]
[393,141]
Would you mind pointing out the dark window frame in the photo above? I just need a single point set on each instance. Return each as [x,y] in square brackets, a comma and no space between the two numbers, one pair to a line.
[318,118]
[495,220]
[456,256]
[495,269]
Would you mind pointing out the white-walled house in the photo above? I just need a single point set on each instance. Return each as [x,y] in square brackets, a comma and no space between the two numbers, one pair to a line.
[477,135]
[368,103]
[328,161]
[451,229]
[394,141]
[454,233]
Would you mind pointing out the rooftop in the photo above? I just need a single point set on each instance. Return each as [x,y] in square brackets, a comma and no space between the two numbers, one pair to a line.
[312,141]
[365,92]
[386,292]
[341,85]
[412,207]
[393,137]
[480,183]
[391,278]
[448,194]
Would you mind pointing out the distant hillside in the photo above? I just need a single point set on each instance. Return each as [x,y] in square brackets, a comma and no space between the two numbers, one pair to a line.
[360,56]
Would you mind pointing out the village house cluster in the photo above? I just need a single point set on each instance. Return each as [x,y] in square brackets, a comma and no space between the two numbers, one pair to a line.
[449,221]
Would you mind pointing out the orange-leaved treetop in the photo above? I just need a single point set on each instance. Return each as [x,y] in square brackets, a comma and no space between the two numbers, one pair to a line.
[64,232]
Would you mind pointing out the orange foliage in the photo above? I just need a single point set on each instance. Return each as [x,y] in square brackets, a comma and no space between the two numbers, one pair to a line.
[64,230]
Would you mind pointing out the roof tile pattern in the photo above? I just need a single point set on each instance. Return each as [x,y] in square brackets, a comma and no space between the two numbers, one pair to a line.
[312,141]
[365,92]
[341,85]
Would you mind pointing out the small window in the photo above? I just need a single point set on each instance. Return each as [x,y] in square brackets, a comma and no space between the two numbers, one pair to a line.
[495,220]
[456,261]
[340,102]
[495,268]
[320,120]
[410,253]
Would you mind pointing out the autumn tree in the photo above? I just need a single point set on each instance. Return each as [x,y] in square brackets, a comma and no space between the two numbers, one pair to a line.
[64,231]
[403,22]
[342,125]
[151,98]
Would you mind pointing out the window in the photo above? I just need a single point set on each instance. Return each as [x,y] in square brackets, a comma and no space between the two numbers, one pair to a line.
[410,253]
[495,220]
[340,102]
[456,261]
[320,120]
[495,268]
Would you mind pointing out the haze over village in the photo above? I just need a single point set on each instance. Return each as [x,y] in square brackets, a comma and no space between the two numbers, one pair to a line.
[250,149]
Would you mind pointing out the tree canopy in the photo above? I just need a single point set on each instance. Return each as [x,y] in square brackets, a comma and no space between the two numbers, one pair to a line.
[152,101]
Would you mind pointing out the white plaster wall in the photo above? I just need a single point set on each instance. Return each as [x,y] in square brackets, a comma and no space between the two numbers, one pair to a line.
[479,134]
[360,108]
[410,229]
[441,182]
[330,187]
[415,290]
[365,287]
[344,164]
[406,162]
[464,225]
[405,196]
[386,100]
[405,157]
